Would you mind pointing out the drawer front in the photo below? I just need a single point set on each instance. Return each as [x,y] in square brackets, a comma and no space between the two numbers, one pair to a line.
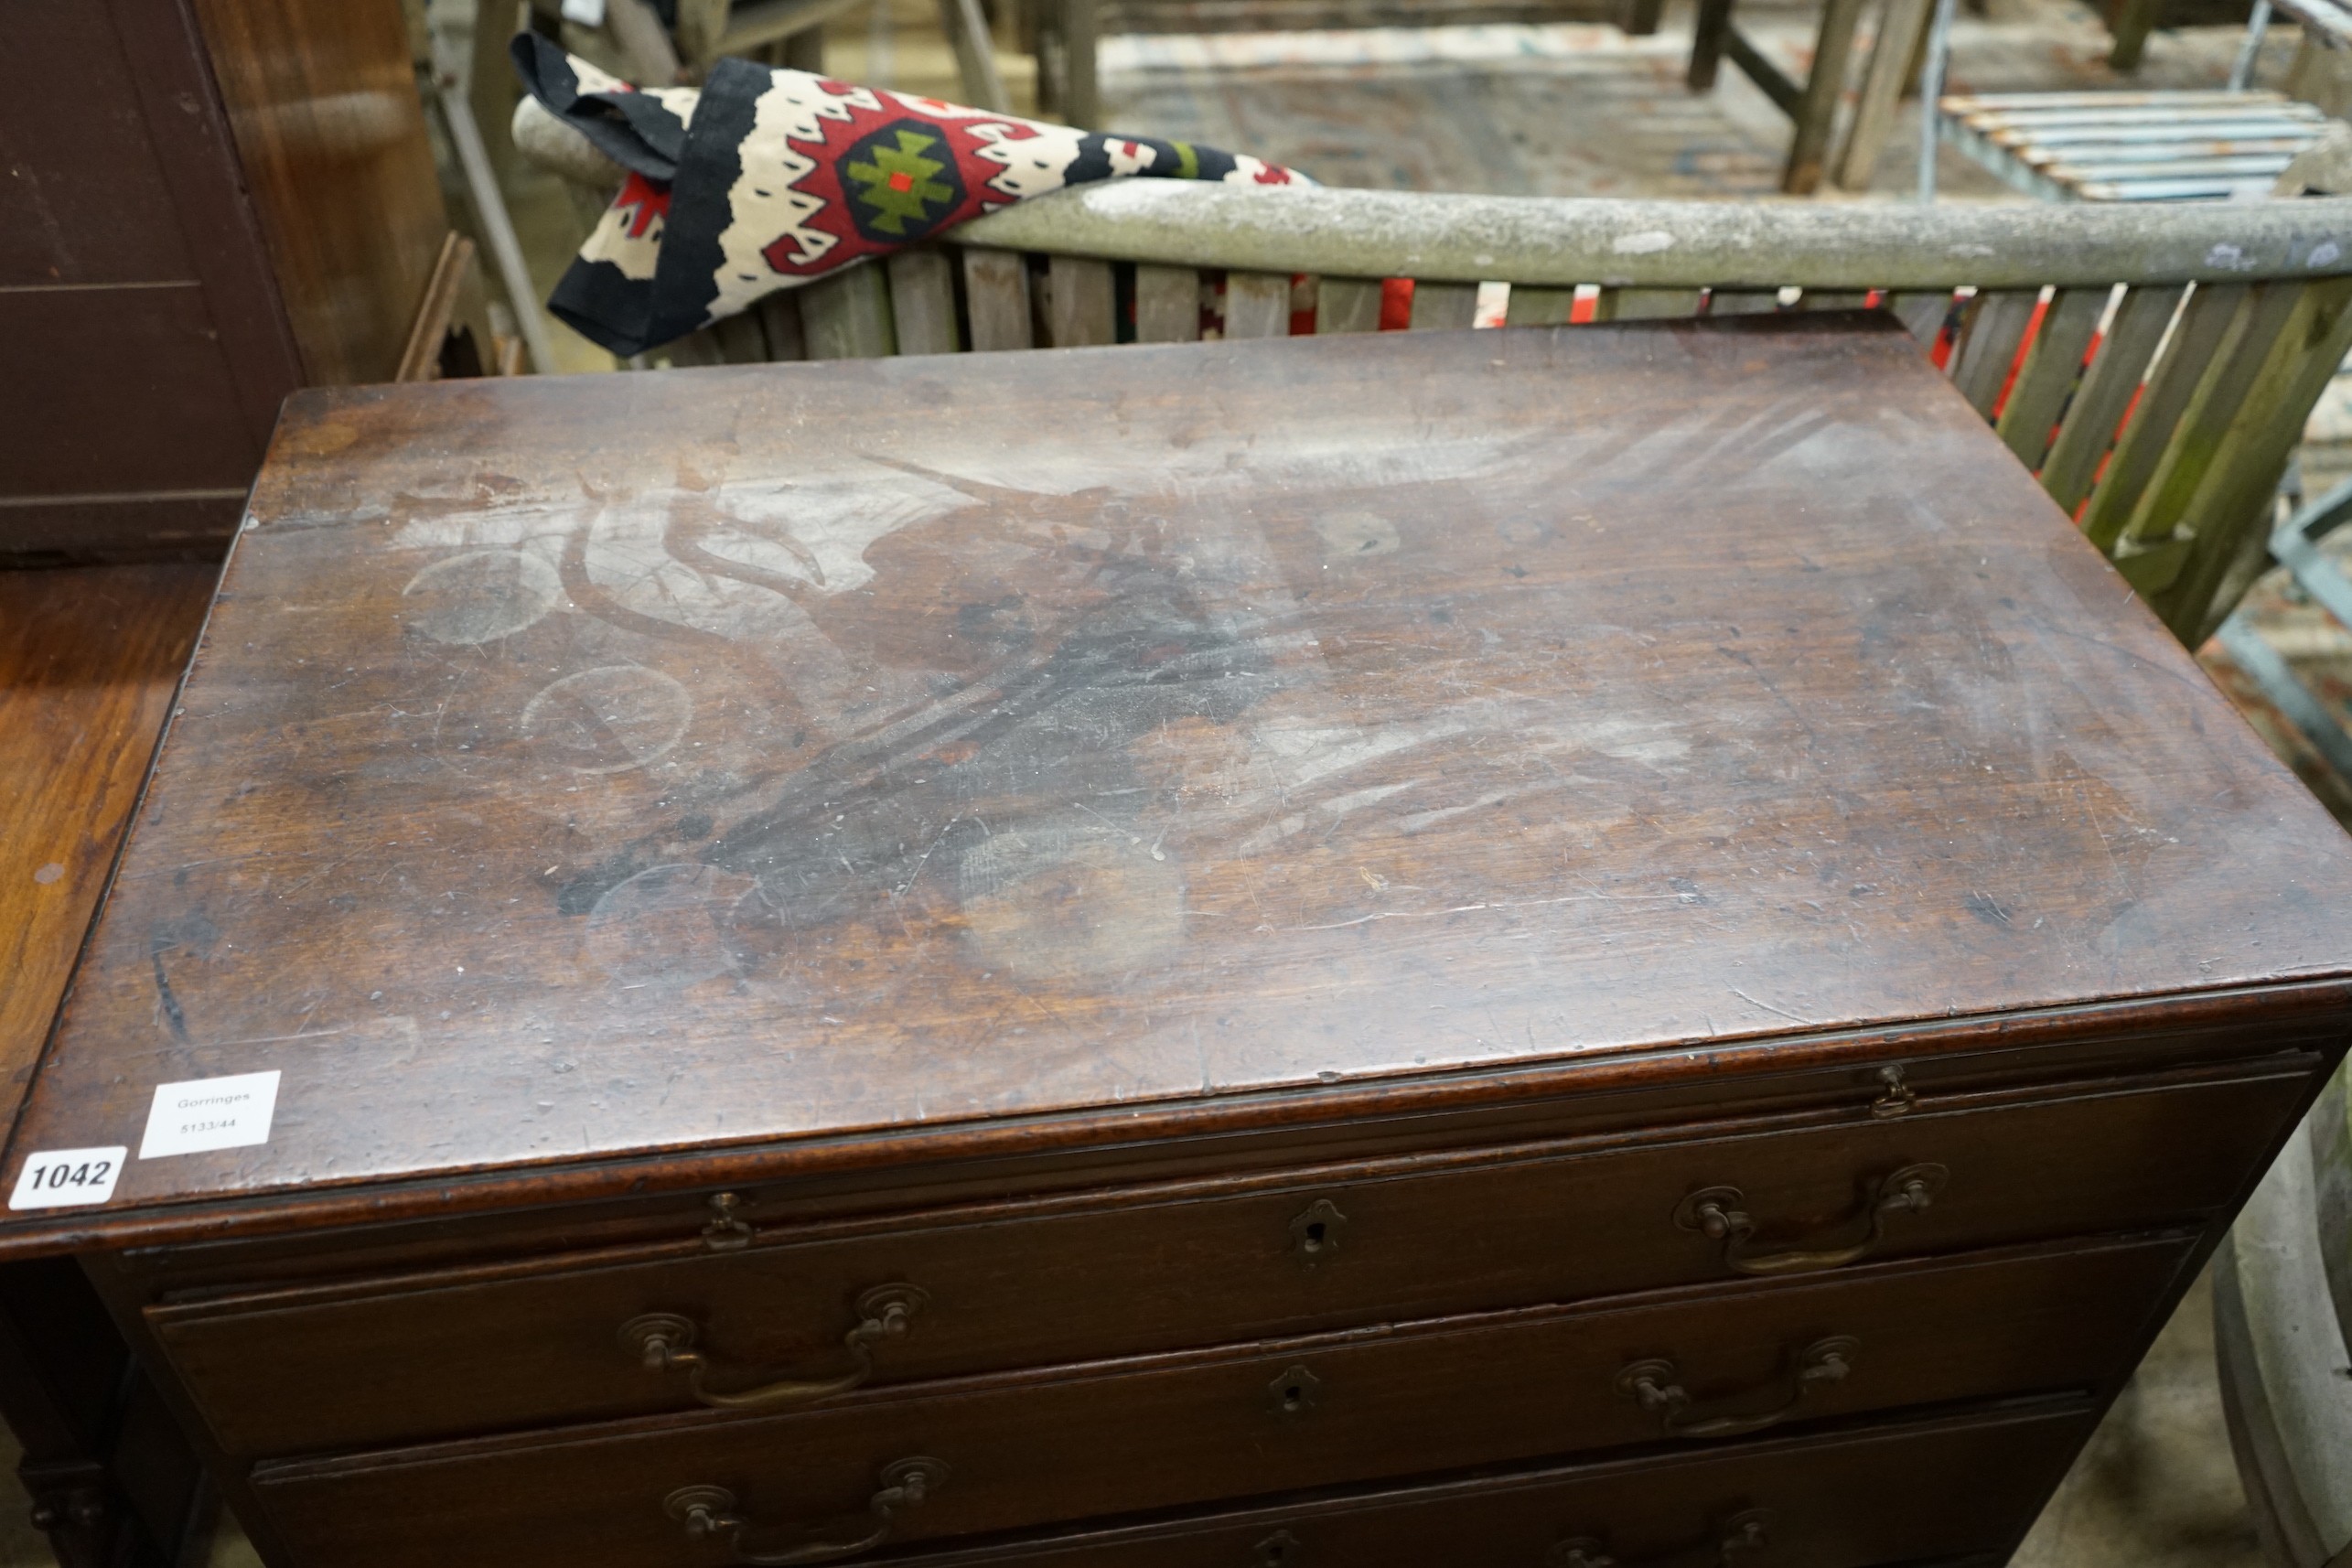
[448,1356]
[1908,1494]
[1018,1451]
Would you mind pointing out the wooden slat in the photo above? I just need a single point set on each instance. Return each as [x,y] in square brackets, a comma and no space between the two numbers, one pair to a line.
[1645,303]
[1990,333]
[2233,506]
[847,316]
[1081,304]
[700,346]
[420,359]
[741,339]
[1257,305]
[1347,305]
[997,297]
[1167,304]
[1900,25]
[1923,313]
[2091,420]
[2179,373]
[1533,306]
[1743,301]
[2157,538]
[1833,299]
[922,303]
[779,317]
[1442,306]
[2049,372]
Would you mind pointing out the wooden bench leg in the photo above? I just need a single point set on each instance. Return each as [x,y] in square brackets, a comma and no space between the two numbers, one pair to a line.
[1901,26]
[2133,22]
[1817,110]
[1082,100]
[1641,17]
[975,56]
[1707,40]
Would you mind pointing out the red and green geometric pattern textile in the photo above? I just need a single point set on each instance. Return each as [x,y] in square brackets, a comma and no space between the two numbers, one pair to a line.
[764,179]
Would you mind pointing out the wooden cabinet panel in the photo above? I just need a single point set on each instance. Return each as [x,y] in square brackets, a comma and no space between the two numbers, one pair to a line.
[1021,1451]
[1162,1268]
[1882,1497]
[81,189]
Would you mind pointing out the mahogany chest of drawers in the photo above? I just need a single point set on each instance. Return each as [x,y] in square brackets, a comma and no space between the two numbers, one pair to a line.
[1564,948]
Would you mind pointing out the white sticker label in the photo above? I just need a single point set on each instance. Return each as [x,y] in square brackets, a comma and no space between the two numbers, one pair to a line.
[65,1178]
[210,1113]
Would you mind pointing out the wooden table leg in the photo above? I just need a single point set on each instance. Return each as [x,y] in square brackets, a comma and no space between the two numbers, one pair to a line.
[1817,110]
[1707,39]
[113,1483]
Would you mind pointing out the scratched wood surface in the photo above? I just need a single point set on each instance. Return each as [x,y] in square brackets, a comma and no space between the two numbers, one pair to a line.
[581,768]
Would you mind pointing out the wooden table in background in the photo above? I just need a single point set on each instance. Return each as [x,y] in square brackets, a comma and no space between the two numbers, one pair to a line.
[1486,947]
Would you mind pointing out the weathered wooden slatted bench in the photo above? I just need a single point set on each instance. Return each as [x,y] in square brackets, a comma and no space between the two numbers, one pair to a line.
[2165,359]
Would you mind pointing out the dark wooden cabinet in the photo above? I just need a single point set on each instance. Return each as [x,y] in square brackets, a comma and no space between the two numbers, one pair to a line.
[1626,951]
[202,207]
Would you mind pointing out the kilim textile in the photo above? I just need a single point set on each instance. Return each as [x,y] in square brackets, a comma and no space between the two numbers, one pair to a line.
[763,180]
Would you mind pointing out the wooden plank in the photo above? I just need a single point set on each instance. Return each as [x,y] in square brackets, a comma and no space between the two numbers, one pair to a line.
[779,317]
[1257,305]
[1645,304]
[1743,301]
[996,298]
[922,302]
[1533,307]
[1901,25]
[2161,516]
[2179,368]
[1167,304]
[1824,86]
[1995,324]
[2115,373]
[2051,368]
[1444,305]
[1833,299]
[700,346]
[847,316]
[420,360]
[1081,303]
[2236,503]
[1347,305]
[741,339]
[2232,506]
[1923,313]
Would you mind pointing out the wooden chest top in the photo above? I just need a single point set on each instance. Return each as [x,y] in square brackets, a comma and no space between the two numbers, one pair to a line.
[581,769]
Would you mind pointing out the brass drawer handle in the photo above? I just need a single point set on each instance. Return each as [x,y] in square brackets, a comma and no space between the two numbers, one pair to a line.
[1651,1384]
[664,1342]
[1742,1535]
[1715,1213]
[708,1513]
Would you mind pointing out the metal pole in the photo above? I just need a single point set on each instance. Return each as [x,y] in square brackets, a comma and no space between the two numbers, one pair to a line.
[1931,90]
[490,206]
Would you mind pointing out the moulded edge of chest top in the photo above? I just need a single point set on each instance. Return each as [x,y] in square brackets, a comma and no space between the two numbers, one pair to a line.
[699,1198]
